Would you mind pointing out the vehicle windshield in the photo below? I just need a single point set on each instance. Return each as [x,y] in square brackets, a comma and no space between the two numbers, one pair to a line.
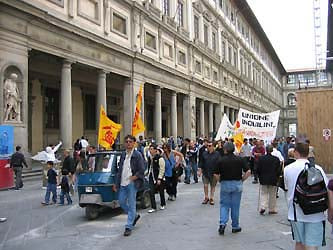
[103,163]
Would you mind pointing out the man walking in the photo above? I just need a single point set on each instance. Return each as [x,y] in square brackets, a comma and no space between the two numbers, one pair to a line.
[129,179]
[16,162]
[208,162]
[245,151]
[269,170]
[308,230]
[232,171]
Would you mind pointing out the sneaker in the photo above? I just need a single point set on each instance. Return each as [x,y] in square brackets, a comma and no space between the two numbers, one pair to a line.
[221,229]
[162,207]
[3,219]
[151,210]
[137,217]
[262,211]
[236,230]
[127,232]
[272,212]
[44,203]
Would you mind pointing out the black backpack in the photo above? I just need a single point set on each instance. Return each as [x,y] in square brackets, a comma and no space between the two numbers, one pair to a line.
[310,191]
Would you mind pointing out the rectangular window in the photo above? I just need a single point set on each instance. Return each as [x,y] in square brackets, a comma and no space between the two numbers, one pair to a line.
[206,34]
[166,7]
[167,51]
[90,112]
[150,40]
[196,27]
[198,67]
[119,23]
[51,103]
[181,57]
[214,41]
[291,79]
[180,13]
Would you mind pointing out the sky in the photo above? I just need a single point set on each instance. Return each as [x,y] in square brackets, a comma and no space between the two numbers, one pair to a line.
[289,26]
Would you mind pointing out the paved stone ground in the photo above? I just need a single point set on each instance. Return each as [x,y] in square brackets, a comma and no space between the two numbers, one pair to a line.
[185,224]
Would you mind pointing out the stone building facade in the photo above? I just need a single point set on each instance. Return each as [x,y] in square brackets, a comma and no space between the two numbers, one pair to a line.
[196,59]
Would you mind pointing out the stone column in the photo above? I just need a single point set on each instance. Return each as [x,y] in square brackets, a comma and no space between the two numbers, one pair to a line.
[127,107]
[174,114]
[211,118]
[227,112]
[101,93]
[218,115]
[202,118]
[232,115]
[186,117]
[158,115]
[235,115]
[66,105]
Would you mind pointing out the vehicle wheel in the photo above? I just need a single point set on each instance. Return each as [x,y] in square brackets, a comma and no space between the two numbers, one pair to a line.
[145,200]
[91,212]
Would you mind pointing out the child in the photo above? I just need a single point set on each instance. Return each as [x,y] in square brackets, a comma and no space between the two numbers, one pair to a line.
[65,188]
[51,184]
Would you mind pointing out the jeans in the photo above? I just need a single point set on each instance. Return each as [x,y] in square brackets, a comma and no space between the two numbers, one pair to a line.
[127,201]
[230,197]
[68,197]
[191,166]
[18,177]
[51,188]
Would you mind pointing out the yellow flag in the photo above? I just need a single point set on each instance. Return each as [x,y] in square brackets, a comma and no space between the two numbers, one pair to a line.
[108,130]
[238,140]
[138,126]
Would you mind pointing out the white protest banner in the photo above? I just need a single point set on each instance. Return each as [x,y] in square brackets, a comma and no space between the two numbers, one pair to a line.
[258,125]
[226,129]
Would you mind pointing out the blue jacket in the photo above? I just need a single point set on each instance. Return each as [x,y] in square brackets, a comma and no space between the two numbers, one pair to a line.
[137,167]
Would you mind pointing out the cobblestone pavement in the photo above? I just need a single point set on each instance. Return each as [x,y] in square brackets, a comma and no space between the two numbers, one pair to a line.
[184,224]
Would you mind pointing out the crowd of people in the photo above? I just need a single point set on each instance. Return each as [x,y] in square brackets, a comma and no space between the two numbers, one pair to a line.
[274,165]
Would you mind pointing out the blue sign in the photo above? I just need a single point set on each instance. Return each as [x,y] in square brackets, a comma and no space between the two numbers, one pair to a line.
[6,140]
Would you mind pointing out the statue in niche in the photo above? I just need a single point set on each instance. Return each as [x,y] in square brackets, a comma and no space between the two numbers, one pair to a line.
[12,99]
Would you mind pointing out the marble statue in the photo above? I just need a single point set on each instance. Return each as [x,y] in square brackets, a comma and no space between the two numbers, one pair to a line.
[12,99]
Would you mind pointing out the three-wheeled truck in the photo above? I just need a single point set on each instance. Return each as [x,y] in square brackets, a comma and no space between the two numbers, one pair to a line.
[95,184]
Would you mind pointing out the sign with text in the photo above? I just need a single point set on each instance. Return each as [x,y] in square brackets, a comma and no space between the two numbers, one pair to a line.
[258,125]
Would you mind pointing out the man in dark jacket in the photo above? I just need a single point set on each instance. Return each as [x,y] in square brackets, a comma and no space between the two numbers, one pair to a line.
[129,179]
[268,170]
[209,160]
[16,162]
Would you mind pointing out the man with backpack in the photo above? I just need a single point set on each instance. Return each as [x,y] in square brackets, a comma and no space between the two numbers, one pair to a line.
[307,200]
